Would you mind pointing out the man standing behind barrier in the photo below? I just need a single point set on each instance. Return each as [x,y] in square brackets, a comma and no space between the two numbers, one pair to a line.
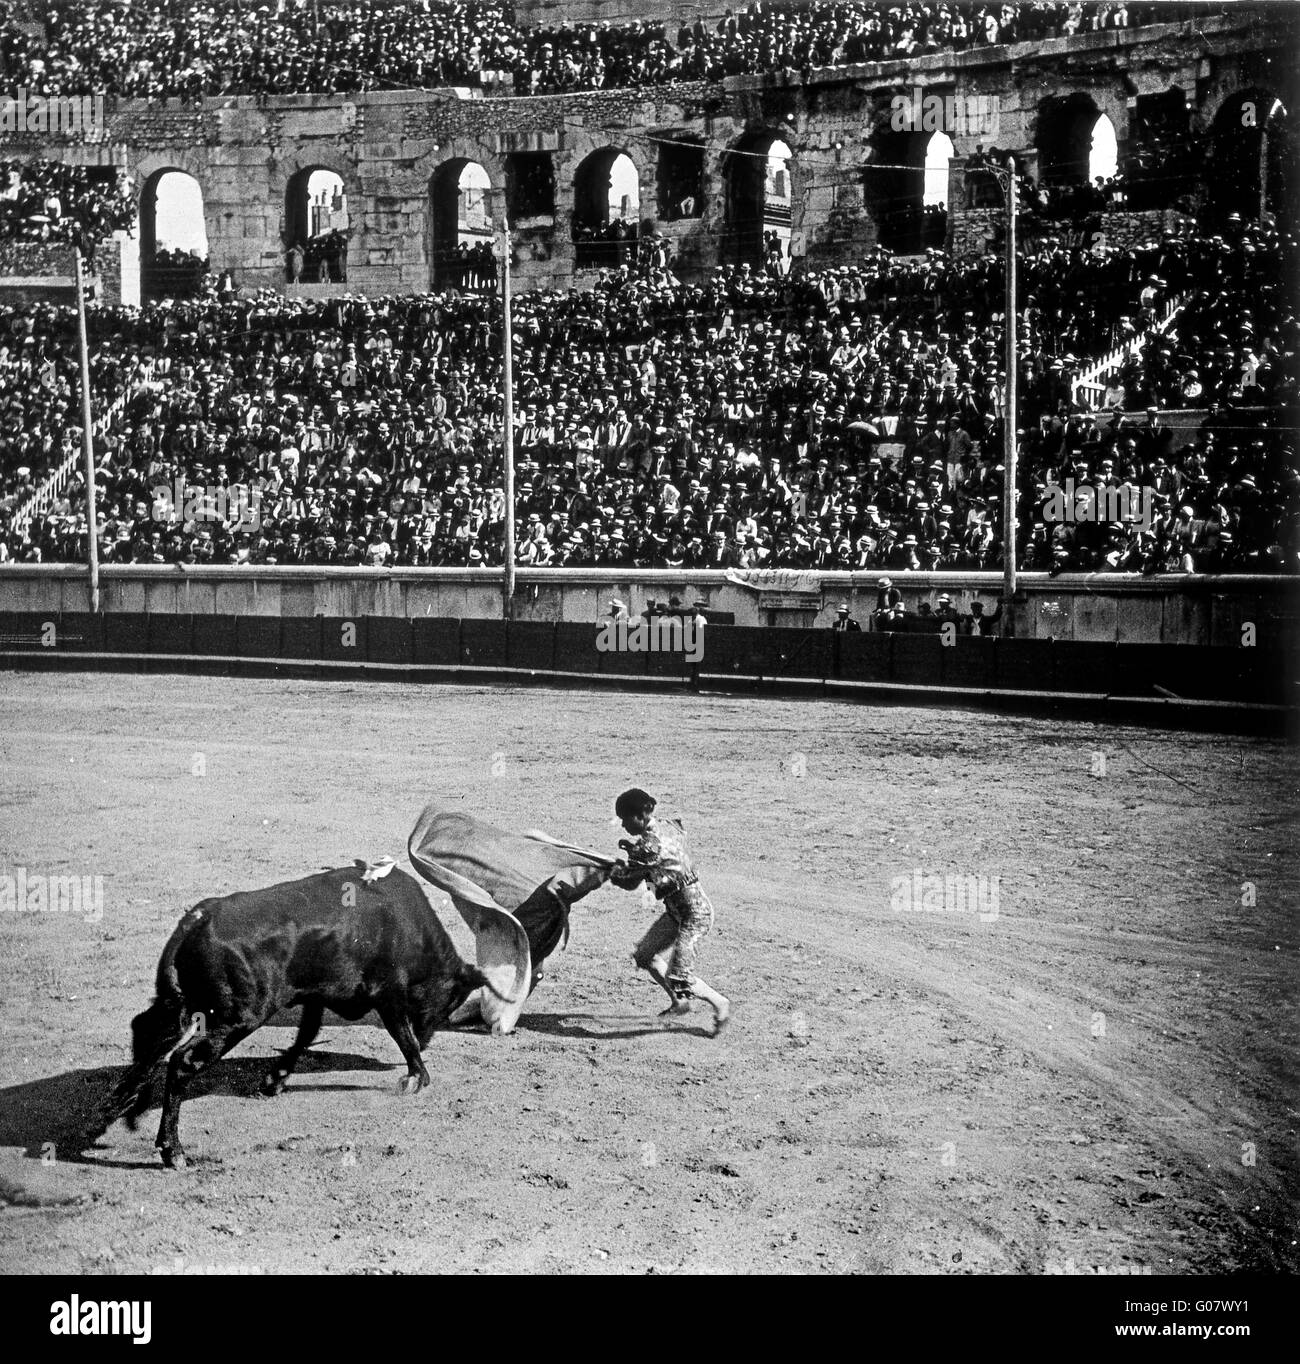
[977,623]
[889,605]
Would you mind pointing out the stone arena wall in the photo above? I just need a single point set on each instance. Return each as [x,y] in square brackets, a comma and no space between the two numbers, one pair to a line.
[1095,608]
[386,146]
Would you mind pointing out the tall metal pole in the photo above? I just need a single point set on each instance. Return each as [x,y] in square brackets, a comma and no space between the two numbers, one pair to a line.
[508,436]
[87,439]
[1010,408]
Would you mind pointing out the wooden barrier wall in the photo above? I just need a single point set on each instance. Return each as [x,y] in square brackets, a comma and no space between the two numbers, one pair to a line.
[1201,672]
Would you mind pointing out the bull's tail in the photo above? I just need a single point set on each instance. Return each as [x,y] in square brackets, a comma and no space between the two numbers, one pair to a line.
[155,1034]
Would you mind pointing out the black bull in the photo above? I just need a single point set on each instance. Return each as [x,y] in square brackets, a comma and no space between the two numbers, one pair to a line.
[335,940]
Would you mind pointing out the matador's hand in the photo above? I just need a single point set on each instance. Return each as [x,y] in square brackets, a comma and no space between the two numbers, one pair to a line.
[625,877]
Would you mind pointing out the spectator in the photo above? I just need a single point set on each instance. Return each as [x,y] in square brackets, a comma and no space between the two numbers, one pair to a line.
[843,621]
[371,426]
[188,49]
[977,623]
[48,201]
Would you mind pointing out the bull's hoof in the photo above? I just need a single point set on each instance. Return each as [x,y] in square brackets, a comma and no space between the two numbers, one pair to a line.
[676,1009]
[174,1159]
[721,1017]
[412,1084]
[272,1083]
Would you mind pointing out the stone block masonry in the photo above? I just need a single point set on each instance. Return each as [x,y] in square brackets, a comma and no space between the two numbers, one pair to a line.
[388,145]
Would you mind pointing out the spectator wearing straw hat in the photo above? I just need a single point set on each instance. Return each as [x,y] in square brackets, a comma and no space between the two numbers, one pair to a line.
[843,620]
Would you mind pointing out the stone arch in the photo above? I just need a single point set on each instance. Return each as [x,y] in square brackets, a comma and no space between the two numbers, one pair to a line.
[893,187]
[460,215]
[316,220]
[758,176]
[606,209]
[180,234]
[1250,156]
[1064,138]
[1163,161]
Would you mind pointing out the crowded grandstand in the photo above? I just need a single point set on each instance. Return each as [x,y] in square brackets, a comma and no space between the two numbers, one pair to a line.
[189,49]
[48,201]
[758,415]
[846,419]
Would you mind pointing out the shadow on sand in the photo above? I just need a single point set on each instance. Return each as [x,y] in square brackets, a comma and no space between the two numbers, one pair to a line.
[54,1113]
[572,1025]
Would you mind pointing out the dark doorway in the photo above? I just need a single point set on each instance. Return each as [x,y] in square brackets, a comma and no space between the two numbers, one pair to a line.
[894,187]
[680,179]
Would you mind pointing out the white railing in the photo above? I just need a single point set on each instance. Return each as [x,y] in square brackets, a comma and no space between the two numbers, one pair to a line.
[1089,386]
[44,497]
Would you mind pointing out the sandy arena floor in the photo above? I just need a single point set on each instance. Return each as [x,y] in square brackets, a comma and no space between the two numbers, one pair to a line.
[1098,1071]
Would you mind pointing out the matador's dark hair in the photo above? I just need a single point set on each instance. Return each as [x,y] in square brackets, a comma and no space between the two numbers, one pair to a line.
[634,802]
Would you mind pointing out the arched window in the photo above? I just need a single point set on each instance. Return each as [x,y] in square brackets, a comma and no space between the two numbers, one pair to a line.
[1066,126]
[624,191]
[606,210]
[461,195]
[757,174]
[317,227]
[173,236]
[777,217]
[934,197]
[938,153]
[894,183]
[1103,154]
[1251,157]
